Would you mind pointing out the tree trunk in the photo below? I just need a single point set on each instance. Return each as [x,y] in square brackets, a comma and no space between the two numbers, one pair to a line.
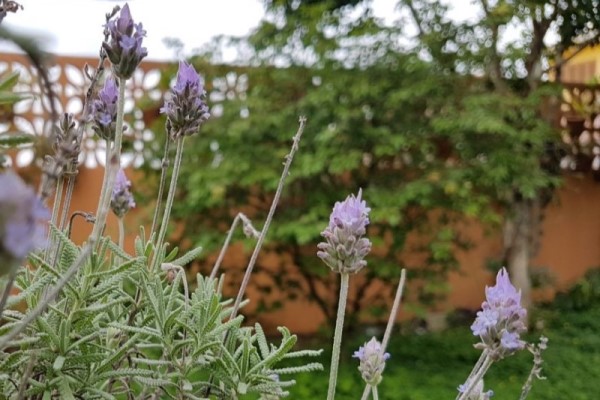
[518,232]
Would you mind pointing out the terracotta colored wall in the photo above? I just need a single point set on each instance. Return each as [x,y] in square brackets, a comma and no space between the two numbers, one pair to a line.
[569,247]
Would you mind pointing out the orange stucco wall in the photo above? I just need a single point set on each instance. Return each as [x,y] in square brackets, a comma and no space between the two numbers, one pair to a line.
[570,245]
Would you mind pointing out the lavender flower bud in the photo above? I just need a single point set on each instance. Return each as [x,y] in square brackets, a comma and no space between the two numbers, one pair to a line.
[184,107]
[345,248]
[372,361]
[501,320]
[104,110]
[124,50]
[22,218]
[121,200]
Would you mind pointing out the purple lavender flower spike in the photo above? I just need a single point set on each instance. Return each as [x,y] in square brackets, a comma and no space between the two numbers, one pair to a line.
[104,110]
[372,361]
[184,107]
[22,221]
[121,200]
[501,319]
[124,49]
[345,248]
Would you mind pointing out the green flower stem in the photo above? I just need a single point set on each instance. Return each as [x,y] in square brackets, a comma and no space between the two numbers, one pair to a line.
[337,338]
[112,167]
[169,204]
[215,269]
[366,392]
[121,232]
[67,201]
[394,312]
[476,377]
[265,229]
[7,289]
[161,188]
[390,323]
[375,394]
[103,191]
[64,214]
[54,218]
[247,224]
[477,366]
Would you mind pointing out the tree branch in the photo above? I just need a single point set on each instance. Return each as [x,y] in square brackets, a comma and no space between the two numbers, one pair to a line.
[495,68]
[416,18]
[533,60]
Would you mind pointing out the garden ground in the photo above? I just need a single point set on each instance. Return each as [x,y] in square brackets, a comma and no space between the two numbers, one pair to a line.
[431,366]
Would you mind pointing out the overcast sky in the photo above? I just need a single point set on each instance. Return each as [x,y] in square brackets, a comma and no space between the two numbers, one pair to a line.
[74,27]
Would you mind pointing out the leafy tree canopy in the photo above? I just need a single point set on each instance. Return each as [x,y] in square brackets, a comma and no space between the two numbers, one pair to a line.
[436,127]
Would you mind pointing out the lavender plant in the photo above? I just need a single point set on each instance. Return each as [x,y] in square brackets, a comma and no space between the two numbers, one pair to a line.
[102,323]
[94,321]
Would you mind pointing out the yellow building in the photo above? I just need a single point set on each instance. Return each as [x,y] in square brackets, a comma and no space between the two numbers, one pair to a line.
[583,67]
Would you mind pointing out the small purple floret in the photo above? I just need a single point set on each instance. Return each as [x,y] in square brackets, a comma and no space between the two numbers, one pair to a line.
[124,49]
[372,361]
[345,248]
[121,199]
[501,319]
[184,107]
[104,110]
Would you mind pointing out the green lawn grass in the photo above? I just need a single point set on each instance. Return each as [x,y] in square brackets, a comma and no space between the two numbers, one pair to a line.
[432,365]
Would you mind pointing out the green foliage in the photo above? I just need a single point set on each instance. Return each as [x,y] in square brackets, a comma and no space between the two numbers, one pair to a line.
[8,98]
[119,328]
[431,145]
[432,365]
[584,295]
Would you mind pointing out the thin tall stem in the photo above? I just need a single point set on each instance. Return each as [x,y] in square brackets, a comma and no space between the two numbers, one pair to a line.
[169,204]
[265,229]
[215,269]
[112,167]
[476,378]
[67,201]
[25,377]
[63,218]
[163,178]
[103,191]
[7,289]
[55,211]
[394,312]
[480,361]
[375,394]
[252,232]
[366,392]
[390,323]
[121,232]
[337,338]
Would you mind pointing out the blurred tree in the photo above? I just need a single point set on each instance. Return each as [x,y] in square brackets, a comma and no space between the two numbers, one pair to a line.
[507,46]
[444,126]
